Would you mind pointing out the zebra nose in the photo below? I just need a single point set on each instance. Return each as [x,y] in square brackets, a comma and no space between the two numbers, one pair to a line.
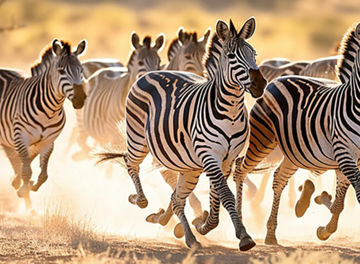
[258,83]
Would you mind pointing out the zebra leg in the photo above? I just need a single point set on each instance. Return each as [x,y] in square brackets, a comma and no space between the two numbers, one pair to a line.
[22,149]
[218,181]
[342,184]
[307,189]
[207,222]
[259,196]
[16,165]
[184,187]
[44,159]
[281,177]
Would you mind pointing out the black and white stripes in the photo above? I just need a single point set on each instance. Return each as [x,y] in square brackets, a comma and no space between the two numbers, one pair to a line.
[32,115]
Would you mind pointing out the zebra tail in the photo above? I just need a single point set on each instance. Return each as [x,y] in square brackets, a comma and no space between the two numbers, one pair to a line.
[105,156]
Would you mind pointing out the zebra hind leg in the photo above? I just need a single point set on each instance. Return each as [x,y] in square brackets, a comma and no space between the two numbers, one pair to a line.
[281,177]
[307,189]
[324,232]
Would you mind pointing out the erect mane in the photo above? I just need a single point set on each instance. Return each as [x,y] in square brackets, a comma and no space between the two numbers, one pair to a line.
[174,46]
[348,48]
[47,55]
[210,59]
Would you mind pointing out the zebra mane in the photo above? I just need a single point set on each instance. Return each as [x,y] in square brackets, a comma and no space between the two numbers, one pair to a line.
[348,48]
[46,56]
[212,54]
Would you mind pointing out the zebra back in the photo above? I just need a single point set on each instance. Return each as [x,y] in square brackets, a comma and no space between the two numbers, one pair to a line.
[92,65]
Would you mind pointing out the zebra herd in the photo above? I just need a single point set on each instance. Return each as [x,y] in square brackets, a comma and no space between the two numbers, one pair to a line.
[190,115]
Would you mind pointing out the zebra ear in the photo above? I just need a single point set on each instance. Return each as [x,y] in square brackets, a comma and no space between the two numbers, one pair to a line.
[248,29]
[232,28]
[159,42]
[357,31]
[56,47]
[80,48]
[135,40]
[206,36]
[181,34]
[222,30]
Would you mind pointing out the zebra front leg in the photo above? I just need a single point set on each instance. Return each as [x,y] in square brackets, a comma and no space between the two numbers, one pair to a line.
[207,222]
[184,187]
[15,162]
[342,184]
[22,149]
[44,160]
[218,181]
[281,177]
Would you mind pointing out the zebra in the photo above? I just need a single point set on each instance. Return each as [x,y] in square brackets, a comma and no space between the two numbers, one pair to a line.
[186,52]
[93,65]
[337,68]
[192,124]
[32,114]
[293,68]
[275,62]
[107,90]
[315,124]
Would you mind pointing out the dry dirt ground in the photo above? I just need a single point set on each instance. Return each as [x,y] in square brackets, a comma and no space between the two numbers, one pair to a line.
[54,238]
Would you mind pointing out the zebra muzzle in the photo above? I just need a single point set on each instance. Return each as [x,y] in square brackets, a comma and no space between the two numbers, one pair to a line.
[258,83]
[79,96]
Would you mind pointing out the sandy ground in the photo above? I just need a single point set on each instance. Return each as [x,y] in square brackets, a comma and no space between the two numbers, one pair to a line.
[23,239]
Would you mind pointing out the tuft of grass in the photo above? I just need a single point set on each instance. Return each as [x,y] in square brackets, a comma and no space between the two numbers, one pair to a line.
[303,256]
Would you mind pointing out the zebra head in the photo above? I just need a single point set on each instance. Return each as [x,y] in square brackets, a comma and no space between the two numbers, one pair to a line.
[186,52]
[70,71]
[145,57]
[238,57]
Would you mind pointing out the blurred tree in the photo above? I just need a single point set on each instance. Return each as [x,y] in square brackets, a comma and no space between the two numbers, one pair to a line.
[14,25]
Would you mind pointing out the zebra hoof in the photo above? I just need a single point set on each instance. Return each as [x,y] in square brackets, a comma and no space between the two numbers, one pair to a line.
[23,192]
[323,198]
[200,219]
[178,231]
[155,218]
[271,240]
[16,183]
[134,199]
[246,244]
[194,245]
[322,233]
[304,202]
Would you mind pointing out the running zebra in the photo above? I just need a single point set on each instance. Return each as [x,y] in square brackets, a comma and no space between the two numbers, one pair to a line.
[315,123]
[186,52]
[32,114]
[192,124]
[107,90]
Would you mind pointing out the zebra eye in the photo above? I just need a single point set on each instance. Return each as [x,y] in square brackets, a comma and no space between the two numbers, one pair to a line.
[61,71]
[188,57]
[141,63]
[231,55]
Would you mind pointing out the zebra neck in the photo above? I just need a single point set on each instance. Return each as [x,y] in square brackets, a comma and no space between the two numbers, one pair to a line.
[50,98]
[229,101]
[355,82]
[173,64]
